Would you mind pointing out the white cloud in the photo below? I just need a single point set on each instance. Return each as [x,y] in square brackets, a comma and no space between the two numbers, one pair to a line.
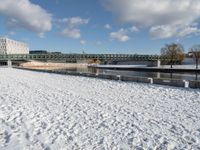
[71,33]
[160,16]
[189,31]
[133,29]
[72,30]
[74,21]
[107,26]
[22,14]
[155,12]
[168,31]
[83,42]
[162,32]
[120,35]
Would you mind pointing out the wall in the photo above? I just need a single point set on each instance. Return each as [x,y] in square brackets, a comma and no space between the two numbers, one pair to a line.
[194,84]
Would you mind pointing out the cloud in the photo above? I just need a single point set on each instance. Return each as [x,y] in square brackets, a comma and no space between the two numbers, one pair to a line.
[133,29]
[189,31]
[168,31]
[72,30]
[107,26]
[74,21]
[120,35]
[162,32]
[83,42]
[71,33]
[160,16]
[22,14]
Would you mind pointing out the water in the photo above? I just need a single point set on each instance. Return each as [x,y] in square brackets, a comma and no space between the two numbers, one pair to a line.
[183,76]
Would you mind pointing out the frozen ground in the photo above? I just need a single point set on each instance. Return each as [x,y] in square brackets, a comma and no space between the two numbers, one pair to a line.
[56,112]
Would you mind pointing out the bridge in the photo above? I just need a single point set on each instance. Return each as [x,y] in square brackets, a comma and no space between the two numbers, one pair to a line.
[103,58]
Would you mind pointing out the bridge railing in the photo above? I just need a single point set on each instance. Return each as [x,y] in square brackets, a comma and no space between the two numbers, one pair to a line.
[80,57]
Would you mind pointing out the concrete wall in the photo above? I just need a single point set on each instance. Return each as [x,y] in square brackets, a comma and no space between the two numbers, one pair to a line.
[194,84]
[135,79]
[169,82]
[105,76]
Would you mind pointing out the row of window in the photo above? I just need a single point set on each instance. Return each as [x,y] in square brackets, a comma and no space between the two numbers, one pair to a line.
[3,40]
[2,47]
[12,42]
[16,44]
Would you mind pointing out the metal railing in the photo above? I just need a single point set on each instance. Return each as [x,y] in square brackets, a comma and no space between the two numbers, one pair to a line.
[75,57]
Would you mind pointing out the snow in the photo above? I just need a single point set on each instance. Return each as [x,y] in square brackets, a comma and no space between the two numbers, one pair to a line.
[118,66]
[180,66]
[41,111]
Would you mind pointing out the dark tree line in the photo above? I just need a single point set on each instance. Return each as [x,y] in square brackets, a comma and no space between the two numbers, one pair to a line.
[174,53]
[195,50]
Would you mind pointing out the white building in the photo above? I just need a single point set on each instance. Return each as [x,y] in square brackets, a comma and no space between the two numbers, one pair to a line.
[8,46]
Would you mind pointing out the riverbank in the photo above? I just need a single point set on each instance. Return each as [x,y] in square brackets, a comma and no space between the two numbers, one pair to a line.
[50,111]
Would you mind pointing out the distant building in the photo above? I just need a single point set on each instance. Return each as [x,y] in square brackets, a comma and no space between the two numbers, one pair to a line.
[38,52]
[43,52]
[8,46]
[56,52]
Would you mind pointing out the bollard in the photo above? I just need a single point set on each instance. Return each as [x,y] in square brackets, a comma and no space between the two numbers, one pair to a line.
[186,83]
[9,63]
[118,76]
[151,80]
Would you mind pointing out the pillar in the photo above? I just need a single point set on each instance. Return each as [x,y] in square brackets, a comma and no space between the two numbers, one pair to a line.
[9,63]
[158,63]
[158,74]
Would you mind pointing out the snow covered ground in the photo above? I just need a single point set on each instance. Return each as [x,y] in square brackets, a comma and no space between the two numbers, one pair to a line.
[41,111]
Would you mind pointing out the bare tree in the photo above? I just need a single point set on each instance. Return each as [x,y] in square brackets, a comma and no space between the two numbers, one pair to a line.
[196,54]
[173,53]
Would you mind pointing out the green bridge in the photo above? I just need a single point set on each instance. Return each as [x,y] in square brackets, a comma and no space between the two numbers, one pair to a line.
[78,57]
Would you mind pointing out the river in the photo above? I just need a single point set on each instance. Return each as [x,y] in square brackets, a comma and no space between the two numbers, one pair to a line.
[183,76]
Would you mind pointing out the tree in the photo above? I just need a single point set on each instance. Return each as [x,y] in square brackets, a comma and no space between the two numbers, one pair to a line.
[173,53]
[196,54]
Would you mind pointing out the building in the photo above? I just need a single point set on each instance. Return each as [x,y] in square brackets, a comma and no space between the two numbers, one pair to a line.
[8,46]
[38,52]
[43,52]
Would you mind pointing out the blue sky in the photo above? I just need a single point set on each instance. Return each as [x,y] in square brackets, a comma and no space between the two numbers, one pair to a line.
[101,26]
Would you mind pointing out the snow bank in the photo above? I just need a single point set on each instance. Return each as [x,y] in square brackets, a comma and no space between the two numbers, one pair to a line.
[56,112]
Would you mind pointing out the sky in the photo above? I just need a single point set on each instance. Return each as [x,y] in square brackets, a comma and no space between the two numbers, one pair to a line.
[101,26]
